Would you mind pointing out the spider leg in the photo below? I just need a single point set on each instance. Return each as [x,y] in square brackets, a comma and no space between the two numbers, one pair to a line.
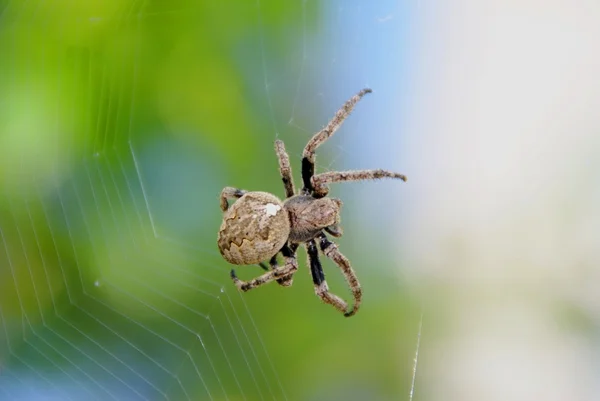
[230,192]
[335,230]
[285,169]
[321,288]
[284,282]
[320,181]
[308,156]
[331,250]
[274,265]
[281,272]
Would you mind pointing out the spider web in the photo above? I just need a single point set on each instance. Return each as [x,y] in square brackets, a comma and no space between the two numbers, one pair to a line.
[111,286]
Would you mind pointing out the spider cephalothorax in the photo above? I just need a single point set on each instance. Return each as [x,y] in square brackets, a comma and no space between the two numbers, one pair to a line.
[258,225]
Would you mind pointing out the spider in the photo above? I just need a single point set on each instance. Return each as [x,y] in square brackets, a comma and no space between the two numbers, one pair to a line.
[258,226]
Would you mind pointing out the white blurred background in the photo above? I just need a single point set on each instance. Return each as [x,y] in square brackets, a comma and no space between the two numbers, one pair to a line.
[503,223]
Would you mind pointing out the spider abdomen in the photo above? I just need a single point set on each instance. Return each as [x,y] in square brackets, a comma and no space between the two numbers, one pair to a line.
[254,229]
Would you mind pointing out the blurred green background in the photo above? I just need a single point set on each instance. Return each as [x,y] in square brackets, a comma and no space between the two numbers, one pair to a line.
[120,122]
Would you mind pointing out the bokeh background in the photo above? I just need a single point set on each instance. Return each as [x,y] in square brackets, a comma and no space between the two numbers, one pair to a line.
[120,124]
[121,121]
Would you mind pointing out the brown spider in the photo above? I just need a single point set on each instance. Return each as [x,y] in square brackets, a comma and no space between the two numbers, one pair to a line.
[259,226]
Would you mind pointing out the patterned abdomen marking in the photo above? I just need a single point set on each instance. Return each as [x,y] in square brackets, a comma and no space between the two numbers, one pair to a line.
[254,229]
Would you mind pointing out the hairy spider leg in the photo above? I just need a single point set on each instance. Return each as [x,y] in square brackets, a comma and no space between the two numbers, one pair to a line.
[316,270]
[320,181]
[273,264]
[285,169]
[331,250]
[230,193]
[284,282]
[308,156]
[318,276]
[280,272]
